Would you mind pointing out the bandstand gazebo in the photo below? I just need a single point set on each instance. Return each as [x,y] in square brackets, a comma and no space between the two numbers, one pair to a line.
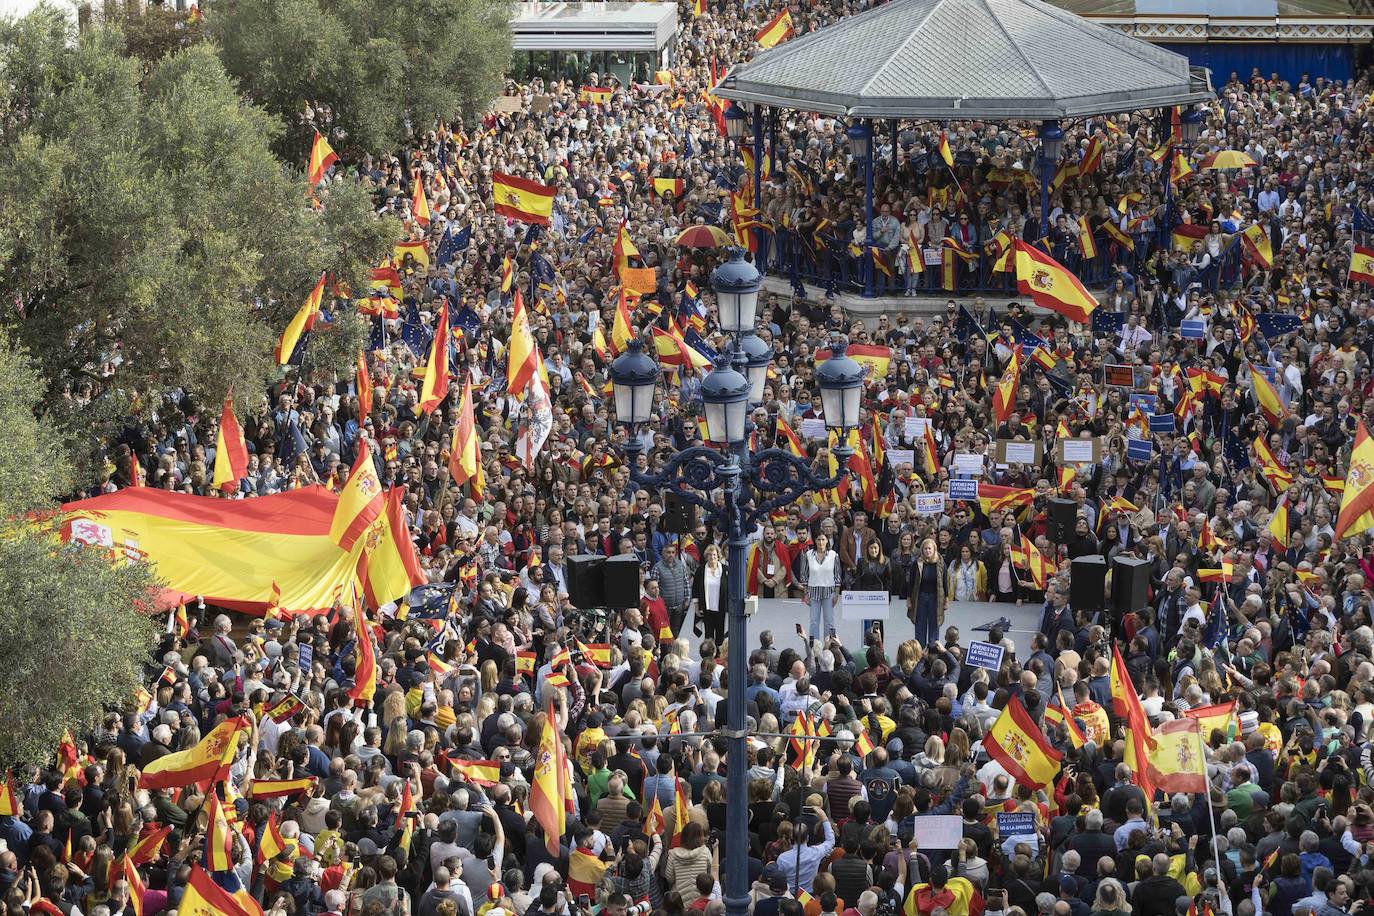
[959,60]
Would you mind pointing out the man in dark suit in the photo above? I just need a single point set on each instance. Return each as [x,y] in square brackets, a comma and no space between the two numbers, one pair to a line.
[854,541]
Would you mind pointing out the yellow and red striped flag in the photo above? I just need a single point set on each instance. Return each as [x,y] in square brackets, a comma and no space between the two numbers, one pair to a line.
[280,788]
[523,358]
[231,454]
[1051,284]
[1357,502]
[778,29]
[482,772]
[322,156]
[360,502]
[302,321]
[546,789]
[434,386]
[520,199]
[200,764]
[219,839]
[137,889]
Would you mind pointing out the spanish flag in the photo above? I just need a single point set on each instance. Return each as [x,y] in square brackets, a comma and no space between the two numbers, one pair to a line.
[1219,717]
[1357,502]
[390,569]
[523,358]
[1267,397]
[231,454]
[149,843]
[363,383]
[1278,523]
[546,789]
[1176,761]
[585,870]
[284,708]
[945,152]
[365,658]
[1118,235]
[876,357]
[778,30]
[9,798]
[524,663]
[418,249]
[419,204]
[507,275]
[322,156]
[1256,241]
[621,332]
[464,456]
[434,387]
[1058,712]
[482,772]
[991,496]
[787,438]
[519,198]
[673,186]
[1126,705]
[360,502]
[203,897]
[1085,238]
[129,872]
[595,95]
[1092,157]
[1051,285]
[674,351]
[280,788]
[1179,169]
[1018,744]
[1004,398]
[200,764]
[219,839]
[1362,264]
[698,8]
[272,843]
[1184,235]
[302,321]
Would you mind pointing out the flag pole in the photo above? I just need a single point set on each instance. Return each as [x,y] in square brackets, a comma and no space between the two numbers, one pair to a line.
[1212,816]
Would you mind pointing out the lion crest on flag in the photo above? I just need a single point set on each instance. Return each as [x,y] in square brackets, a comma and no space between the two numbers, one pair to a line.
[1041,279]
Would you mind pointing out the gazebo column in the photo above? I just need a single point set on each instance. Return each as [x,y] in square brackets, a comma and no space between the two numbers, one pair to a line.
[892,128]
[860,135]
[760,241]
[1051,145]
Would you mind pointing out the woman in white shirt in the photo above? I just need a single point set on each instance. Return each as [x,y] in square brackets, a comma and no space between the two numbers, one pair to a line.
[710,588]
[821,588]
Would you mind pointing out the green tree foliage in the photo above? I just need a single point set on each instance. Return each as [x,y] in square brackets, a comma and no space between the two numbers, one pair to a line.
[74,641]
[379,70]
[150,241]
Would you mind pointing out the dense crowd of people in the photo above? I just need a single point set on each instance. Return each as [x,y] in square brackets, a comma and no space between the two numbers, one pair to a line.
[1256,608]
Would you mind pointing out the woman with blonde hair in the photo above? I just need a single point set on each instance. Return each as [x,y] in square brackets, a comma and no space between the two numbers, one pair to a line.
[927,598]
[908,656]
[1110,899]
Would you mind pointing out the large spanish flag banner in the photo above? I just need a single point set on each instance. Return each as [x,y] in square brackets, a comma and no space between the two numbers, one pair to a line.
[1016,742]
[1219,717]
[203,897]
[231,552]
[1357,502]
[1051,284]
[519,198]
[1362,264]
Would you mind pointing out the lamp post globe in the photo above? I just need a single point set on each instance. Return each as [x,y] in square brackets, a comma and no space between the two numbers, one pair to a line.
[1190,125]
[841,381]
[736,285]
[726,396]
[1051,141]
[860,135]
[634,378]
[758,355]
[736,122]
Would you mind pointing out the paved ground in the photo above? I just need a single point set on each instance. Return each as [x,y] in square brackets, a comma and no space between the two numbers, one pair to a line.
[781,616]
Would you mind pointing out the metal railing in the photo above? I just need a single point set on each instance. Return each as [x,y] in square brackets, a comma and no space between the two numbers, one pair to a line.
[787,253]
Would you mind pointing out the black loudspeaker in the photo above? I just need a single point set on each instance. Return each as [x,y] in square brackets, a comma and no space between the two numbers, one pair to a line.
[679,516]
[1063,515]
[1130,584]
[586,582]
[622,581]
[1088,583]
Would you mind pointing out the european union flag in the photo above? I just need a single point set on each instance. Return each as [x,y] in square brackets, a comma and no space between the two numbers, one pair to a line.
[541,271]
[1125,163]
[469,321]
[292,444]
[1061,387]
[376,335]
[695,341]
[452,243]
[586,237]
[414,334]
[1215,634]
[532,234]
[1276,324]
[1024,337]
[1362,222]
[1107,324]
[687,151]
[1235,452]
[967,327]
